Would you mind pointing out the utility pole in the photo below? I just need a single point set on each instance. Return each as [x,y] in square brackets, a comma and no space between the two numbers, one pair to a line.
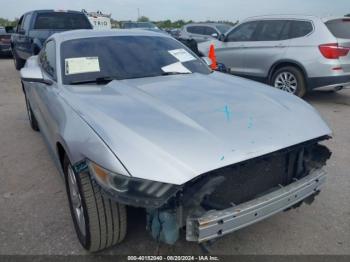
[138,14]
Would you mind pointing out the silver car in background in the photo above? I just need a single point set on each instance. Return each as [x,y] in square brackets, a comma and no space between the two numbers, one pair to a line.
[202,32]
[134,118]
[293,53]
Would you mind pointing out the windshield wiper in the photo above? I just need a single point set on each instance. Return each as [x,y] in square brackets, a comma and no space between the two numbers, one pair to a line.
[174,73]
[98,80]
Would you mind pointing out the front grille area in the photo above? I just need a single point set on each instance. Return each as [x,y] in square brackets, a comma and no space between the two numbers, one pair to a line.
[244,182]
[250,179]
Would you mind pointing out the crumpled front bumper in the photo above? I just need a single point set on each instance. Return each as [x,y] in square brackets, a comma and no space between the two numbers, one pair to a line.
[215,224]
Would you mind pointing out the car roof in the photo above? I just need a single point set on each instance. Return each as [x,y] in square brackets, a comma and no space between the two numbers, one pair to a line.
[89,33]
[206,24]
[331,18]
[282,16]
[53,11]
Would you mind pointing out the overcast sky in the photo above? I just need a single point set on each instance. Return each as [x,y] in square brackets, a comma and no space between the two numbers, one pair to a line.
[197,10]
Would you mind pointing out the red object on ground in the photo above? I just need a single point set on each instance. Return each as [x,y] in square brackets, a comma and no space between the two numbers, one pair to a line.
[212,56]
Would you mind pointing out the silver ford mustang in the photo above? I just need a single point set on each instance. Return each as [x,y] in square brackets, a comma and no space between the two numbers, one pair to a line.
[134,118]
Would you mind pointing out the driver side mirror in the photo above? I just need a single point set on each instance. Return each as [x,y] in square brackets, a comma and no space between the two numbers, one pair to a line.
[34,74]
[215,35]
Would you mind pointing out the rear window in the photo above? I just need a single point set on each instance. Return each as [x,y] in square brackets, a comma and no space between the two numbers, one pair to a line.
[339,28]
[300,29]
[196,30]
[61,21]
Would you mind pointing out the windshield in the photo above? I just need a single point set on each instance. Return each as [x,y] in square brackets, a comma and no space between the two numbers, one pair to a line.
[126,57]
[223,28]
[61,21]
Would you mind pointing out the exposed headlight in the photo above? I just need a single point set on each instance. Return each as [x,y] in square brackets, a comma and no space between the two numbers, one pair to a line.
[130,190]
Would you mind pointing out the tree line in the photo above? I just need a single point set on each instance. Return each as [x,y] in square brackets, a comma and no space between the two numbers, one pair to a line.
[179,23]
[6,22]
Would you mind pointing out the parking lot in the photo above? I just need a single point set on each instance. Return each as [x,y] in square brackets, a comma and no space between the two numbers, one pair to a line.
[35,219]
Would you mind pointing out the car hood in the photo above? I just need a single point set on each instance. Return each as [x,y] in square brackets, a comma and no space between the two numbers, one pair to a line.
[174,128]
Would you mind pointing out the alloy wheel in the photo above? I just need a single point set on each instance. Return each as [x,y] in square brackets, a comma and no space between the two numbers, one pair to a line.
[75,197]
[286,81]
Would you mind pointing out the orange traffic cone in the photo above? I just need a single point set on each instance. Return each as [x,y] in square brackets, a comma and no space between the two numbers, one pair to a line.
[212,56]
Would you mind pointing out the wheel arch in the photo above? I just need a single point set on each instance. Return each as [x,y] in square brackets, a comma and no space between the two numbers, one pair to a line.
[61,153]
[283,63]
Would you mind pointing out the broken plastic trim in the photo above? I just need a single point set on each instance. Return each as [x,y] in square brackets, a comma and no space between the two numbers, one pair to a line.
[215,224]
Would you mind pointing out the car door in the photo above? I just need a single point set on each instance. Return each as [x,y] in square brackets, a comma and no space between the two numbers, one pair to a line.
[197,33]
[268,45]
[24,44]
[231,52]
[17,37]
[46,95]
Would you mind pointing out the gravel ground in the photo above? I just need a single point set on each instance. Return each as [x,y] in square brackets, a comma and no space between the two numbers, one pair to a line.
[35,219]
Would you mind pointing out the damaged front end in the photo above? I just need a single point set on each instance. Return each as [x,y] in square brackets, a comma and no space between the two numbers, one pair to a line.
[227,199]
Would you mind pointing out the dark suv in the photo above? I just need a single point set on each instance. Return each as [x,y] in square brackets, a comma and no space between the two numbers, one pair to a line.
[36,26]
[5,40]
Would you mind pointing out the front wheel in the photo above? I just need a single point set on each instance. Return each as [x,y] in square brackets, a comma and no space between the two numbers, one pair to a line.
[289,79]
[99,222]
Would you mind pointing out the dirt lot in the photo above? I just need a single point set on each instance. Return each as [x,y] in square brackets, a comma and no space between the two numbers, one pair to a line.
[34,215]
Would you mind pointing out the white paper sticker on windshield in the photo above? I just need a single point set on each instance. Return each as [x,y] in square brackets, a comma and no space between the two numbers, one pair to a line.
[182,55]
[176,68]
[80,65]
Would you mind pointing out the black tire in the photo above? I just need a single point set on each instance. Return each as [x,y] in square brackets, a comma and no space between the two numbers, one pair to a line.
[297,74]
[32,120]
[19,62]
[105,220]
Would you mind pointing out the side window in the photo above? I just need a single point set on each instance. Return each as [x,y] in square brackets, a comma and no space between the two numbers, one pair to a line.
[47,59]
[199,30]
[209,31]
[26,22]
[193,29]
[19,25]
[285,31]
[300,29]
[269,30]
[242,33]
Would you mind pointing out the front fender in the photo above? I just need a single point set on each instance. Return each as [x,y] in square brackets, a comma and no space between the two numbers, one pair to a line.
[81,142]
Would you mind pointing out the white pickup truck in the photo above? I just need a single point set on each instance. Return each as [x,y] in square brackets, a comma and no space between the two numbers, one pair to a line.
[99,20]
